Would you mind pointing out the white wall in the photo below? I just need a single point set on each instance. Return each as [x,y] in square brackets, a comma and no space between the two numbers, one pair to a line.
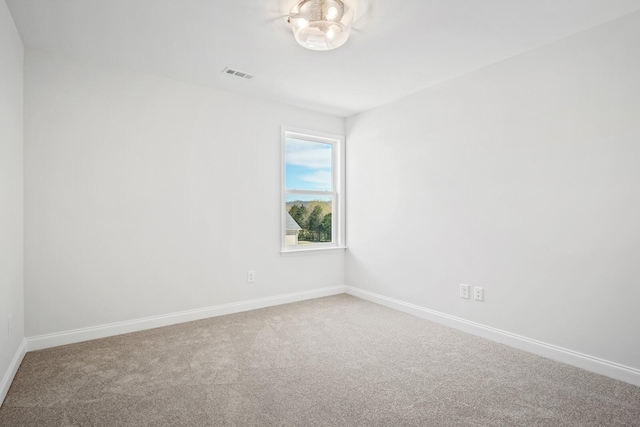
[523,178]
[145,196]
[11,191]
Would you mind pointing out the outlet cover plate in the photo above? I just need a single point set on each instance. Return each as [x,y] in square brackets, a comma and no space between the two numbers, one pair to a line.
[478,293]
[464,291]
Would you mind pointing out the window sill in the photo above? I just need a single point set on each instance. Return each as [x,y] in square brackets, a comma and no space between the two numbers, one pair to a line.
[331,249]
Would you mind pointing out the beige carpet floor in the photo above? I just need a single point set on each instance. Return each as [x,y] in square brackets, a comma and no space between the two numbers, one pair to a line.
[336,361]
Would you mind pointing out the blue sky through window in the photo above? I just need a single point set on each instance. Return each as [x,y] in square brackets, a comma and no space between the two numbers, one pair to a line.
[307,165]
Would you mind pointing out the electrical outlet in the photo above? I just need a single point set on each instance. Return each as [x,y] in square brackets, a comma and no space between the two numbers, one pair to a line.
[478,293]
[251,276]
[464,291]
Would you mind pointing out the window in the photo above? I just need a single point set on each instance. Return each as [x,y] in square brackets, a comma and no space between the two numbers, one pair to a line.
[312,190]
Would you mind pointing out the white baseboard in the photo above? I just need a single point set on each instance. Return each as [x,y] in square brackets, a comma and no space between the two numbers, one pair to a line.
[570,357]
[85,334]
[574,358]
[12,369]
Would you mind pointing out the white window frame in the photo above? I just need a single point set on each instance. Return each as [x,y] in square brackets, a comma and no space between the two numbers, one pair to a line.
[338,203]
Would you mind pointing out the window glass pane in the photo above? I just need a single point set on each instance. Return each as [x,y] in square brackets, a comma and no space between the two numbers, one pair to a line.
[307,165]
[309,219]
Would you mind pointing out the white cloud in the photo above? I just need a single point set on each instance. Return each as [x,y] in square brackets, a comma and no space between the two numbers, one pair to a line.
[322,177]
[308,154]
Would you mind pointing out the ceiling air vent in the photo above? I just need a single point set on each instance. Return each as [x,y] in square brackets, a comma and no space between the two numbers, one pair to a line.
[237,73]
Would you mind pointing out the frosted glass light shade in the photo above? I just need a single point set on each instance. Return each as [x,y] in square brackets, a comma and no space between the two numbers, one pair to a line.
[321,24]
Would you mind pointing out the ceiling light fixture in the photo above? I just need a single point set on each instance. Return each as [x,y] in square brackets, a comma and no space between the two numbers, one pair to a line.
[321,24]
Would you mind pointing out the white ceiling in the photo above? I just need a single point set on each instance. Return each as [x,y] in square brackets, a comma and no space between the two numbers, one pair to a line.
[397,47]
